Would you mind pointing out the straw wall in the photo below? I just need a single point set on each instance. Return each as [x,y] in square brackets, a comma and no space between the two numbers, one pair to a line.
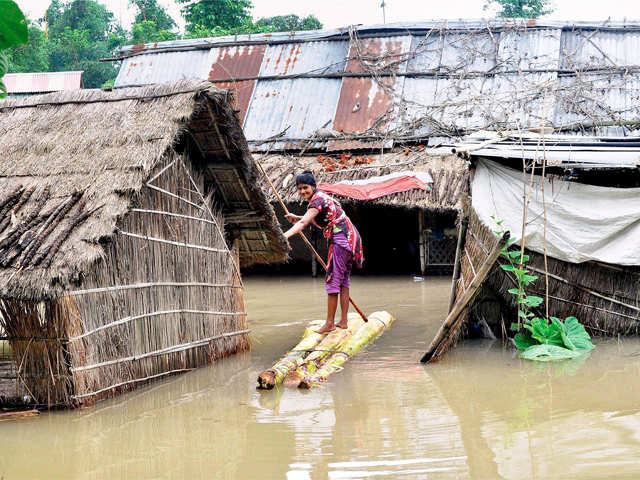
[147,310]
[196,317]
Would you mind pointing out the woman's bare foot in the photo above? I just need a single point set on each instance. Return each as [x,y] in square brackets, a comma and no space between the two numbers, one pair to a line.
[342,324]
[326,328]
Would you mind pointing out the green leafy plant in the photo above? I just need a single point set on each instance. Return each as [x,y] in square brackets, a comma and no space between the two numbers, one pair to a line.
[539,339]
[13,31]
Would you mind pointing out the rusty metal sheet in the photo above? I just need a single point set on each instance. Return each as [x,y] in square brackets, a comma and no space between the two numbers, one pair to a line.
[311,57]
[233,62]
[379,53]
[300,106]
[367,101]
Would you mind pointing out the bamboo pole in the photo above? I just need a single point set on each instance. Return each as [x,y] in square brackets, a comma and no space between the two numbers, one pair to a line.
[462,234]
[306,240]
[448,326]
[423,256]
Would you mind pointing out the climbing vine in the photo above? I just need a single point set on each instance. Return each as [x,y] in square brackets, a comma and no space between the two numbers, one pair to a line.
[539,338]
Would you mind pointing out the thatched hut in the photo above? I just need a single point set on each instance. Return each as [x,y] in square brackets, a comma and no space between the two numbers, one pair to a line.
[581,239]
[124,219]
[422,221]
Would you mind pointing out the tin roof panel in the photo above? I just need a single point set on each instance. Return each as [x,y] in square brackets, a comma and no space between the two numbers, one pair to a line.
[162,67]
[42,82]
[300,106]
[300,58]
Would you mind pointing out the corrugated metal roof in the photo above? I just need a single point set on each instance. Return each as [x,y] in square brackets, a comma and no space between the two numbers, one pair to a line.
[391,28]
[161,67]
[42,82]
[371,84]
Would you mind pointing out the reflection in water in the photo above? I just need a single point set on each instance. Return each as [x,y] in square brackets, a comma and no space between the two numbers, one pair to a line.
[480,413]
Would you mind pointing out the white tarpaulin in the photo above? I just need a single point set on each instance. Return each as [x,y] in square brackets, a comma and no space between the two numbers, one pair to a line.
[583,222]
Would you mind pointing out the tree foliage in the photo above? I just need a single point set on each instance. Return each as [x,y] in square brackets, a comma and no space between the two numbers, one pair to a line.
[289,23]
[32,56]
[81,32]
[13,31]
[521,8]
[212,15]
[152,23]
[150,11]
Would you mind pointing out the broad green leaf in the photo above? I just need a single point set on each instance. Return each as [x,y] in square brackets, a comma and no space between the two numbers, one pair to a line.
[13,26]
[533,301]
[524,341]
[527,279]
[514,254]
[508,268]
[573,334]
[548,353]
[515,327]
[547,333]
[514,291]
[520,272]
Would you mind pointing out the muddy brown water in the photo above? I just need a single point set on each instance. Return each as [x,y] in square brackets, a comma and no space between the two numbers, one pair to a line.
[480,413]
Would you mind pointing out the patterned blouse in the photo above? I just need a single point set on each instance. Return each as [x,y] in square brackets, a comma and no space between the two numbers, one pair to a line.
[332,219]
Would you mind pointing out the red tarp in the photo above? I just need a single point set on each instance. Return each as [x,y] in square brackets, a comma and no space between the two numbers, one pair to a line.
[374,189]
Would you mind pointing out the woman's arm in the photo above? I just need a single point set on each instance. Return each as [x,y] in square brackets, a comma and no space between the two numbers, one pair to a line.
[302,223]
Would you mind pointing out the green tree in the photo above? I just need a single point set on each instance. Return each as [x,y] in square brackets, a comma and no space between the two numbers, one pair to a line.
[152,23]
[86,15]
[13,31]
[216,15]
[521,8]
[150,11]
[289,23]
[147,32]
[34,55]
[81,32]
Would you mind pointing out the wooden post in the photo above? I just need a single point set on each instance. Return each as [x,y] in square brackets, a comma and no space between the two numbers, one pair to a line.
[462,231]
[423,256]
[449,326]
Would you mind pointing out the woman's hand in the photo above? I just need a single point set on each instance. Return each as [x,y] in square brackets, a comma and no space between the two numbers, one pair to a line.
[293,218]
[300,222]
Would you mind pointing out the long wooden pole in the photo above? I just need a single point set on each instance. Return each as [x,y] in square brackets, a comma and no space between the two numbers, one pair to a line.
[306,240]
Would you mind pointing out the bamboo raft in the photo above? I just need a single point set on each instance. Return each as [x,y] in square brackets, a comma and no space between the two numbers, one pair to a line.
[317,356]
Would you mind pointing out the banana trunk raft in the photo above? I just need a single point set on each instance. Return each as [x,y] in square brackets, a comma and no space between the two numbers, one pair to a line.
[317,356]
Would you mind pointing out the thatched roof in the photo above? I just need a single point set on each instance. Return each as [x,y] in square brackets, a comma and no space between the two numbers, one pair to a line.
[450,175]
[101,147]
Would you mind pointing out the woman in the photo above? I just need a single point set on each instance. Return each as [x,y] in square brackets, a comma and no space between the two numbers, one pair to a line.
[345,246]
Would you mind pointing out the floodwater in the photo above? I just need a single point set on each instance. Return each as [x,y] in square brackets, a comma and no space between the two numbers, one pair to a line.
[480,413]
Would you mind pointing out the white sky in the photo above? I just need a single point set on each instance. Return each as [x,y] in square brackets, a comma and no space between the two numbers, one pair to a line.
[336,13]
